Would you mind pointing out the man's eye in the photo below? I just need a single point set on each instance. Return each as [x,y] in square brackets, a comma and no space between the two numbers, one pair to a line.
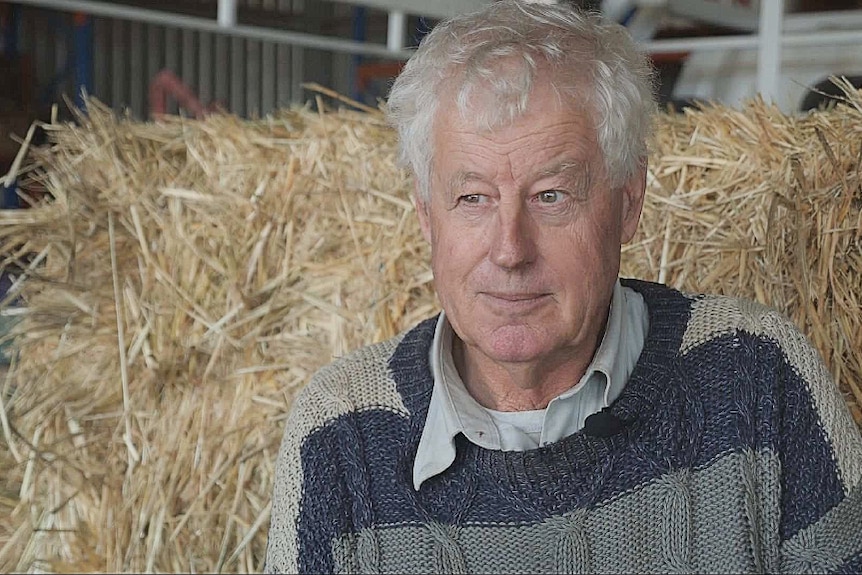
[550,196]
[471,198]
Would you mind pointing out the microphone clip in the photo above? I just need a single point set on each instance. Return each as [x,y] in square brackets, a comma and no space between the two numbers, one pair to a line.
[603,424]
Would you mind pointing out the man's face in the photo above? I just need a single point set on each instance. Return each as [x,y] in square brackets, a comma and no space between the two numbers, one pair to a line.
[525,233]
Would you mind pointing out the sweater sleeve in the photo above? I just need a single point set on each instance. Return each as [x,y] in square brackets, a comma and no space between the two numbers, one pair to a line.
[299,536]
[820,450]
[318,477]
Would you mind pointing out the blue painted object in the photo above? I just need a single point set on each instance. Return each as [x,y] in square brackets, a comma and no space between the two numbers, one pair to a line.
[10,197]
[358,24]
[83,58]
[10,31]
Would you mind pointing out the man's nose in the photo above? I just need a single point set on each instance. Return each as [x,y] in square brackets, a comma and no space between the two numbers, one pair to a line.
[513,242]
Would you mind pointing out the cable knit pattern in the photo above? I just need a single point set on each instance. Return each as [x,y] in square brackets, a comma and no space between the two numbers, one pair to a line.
[737,455]
[676,520]
[572,549]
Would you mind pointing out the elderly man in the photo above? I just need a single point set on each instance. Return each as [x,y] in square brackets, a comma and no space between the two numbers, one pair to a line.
[554,418]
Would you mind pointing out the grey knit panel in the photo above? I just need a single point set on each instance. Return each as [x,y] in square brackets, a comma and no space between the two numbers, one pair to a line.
[416,549]
[686,521]
[344,555]
[828,543]
[761,482]
[358,553]
[572,545]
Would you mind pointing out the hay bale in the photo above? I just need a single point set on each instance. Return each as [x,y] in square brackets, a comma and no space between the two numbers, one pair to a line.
[188,276]
[756,203]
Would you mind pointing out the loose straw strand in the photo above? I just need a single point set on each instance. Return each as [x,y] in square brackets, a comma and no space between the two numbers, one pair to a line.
[133,454]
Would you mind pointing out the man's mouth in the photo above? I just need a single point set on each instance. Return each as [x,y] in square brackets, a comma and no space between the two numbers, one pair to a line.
[515,300]
[515,296]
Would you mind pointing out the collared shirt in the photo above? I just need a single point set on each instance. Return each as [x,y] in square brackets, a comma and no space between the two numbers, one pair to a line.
[453,410]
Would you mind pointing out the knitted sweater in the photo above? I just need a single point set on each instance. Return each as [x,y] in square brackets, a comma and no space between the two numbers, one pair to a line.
[737,454]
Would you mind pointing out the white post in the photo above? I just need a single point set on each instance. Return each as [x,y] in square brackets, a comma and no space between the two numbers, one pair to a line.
[396,30]
[769,48]
[227,13]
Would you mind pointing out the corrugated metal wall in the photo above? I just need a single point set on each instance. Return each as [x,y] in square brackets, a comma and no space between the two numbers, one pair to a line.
[244,76]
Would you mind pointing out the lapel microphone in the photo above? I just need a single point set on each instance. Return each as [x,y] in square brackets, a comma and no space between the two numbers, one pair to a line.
[602,424]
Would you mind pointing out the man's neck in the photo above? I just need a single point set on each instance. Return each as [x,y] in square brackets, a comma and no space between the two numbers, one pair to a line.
[519,386]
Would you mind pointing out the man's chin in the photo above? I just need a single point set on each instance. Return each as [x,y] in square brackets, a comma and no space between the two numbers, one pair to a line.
[515,344]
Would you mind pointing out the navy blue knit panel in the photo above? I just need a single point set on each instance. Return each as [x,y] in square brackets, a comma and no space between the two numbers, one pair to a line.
[530,486]
[735,377]
[349,482]
[410,368]
[810,478]
[322,505]
[853,565]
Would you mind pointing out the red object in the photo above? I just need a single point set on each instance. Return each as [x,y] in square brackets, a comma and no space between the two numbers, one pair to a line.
[165,84]
[669,57]
[365,73]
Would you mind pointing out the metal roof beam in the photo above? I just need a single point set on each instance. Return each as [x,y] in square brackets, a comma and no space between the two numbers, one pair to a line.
[431,8]
[126,12]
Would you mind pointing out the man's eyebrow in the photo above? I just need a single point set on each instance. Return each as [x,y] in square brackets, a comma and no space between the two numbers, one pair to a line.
[565,166]
[577,168]
[461,178]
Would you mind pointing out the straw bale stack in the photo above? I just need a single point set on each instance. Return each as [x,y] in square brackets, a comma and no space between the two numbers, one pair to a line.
[186,277]
[243,256]
[756,203]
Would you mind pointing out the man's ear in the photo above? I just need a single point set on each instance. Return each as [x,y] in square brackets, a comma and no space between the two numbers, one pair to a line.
[422,211]
[632,203]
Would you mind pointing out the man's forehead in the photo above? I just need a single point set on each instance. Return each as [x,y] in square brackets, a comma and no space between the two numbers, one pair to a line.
[545,118]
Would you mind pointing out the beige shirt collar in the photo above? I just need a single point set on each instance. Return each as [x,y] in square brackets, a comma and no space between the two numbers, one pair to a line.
[452,410]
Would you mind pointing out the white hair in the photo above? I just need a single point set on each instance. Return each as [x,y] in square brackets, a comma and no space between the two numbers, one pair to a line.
[500,50]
